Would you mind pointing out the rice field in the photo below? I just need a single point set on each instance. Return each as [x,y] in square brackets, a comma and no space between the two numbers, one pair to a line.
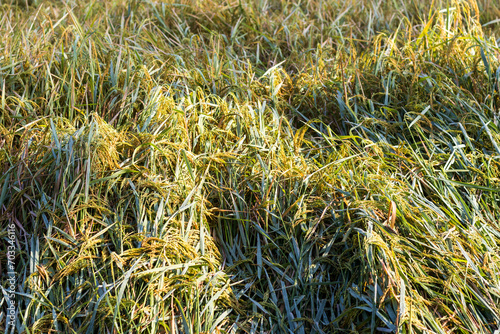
[239,166]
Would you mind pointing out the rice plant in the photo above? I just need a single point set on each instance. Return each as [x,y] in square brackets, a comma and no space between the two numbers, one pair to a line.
[243,166]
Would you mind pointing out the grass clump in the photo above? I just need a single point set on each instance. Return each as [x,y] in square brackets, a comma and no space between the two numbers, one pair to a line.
[260,167]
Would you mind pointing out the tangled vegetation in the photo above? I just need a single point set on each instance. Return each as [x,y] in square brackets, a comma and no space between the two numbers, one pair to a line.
[237,166]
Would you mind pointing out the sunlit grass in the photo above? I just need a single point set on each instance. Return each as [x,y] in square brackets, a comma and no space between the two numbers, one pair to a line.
[252,166]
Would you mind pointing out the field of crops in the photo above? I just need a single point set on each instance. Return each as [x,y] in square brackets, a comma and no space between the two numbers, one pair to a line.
[250,166]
